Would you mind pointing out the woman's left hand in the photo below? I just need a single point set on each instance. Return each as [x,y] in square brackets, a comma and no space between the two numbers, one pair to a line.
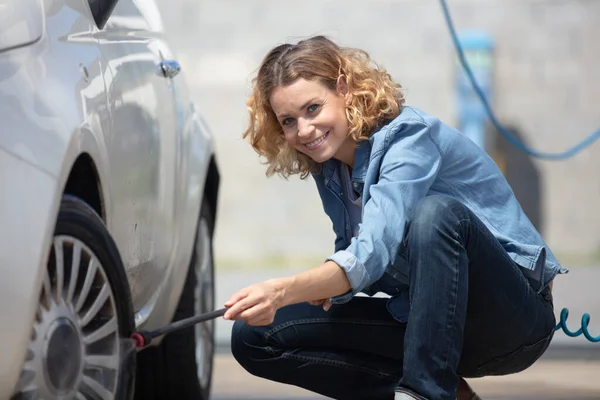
[255,304]
[324,303]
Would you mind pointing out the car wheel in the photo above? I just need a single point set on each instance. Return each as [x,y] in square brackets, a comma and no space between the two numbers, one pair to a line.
[181,366]
[77,350]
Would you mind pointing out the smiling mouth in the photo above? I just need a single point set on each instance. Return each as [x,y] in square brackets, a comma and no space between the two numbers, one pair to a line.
[316,143]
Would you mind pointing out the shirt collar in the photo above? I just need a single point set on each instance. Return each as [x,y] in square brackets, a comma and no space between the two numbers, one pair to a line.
[361,163]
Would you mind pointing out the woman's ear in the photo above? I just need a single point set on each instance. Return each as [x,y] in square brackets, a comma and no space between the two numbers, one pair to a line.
[343,89]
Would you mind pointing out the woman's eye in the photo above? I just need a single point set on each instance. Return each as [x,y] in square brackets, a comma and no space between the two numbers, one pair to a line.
[313,108]
[287,121]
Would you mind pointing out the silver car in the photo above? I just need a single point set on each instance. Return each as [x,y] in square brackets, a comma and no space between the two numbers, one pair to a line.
[108,195]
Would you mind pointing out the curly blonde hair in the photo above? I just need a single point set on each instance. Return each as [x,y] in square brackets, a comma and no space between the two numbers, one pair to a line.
[375,97]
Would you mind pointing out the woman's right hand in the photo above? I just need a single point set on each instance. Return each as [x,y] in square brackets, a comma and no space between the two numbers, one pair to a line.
[325,303]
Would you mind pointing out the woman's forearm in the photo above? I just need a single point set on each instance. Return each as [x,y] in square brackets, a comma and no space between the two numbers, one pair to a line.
[326,280]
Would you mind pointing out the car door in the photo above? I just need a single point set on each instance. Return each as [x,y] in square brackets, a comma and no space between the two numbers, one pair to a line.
[142,147]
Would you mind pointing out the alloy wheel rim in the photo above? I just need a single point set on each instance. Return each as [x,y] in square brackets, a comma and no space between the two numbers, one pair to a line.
[74,350]
[204,302]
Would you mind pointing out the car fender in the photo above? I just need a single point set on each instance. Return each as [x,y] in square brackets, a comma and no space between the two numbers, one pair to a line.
[199,148]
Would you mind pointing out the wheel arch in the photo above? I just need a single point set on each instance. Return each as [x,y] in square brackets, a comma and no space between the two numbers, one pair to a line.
[84,183]
[84,171]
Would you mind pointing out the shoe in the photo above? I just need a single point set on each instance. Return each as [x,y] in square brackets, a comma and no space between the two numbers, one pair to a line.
[406,396]
[464,391]
[464,386]
[403,396]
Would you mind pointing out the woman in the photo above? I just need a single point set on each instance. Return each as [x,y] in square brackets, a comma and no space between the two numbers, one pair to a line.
[420,213]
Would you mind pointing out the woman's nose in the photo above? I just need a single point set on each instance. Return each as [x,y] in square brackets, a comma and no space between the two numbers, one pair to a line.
[305,128]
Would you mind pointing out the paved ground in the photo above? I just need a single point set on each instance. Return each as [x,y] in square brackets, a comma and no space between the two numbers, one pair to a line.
[549,379]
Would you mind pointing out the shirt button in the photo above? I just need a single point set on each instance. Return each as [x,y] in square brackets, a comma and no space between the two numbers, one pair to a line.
[355,184]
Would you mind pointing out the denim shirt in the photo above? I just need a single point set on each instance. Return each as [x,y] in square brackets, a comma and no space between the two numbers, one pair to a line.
[413,156]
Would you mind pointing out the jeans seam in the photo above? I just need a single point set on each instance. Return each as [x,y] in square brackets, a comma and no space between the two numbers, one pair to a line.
[452,309]
[335,363]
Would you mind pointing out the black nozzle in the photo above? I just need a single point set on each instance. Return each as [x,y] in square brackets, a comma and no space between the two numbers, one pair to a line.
[142,339]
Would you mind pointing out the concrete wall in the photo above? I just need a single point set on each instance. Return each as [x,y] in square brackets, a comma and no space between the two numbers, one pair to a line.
[547,86]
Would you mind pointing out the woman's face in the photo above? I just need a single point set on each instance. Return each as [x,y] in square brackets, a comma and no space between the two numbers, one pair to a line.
[313,119]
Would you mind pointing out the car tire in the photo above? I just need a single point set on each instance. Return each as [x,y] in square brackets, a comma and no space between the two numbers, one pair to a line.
[171,369]
[80,339]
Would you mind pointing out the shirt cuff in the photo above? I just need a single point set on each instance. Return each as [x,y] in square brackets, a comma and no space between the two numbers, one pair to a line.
[355,272]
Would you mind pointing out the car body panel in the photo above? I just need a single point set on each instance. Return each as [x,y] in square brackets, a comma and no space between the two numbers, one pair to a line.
[23,254]
[60,96]
[48,113]
[133,42]
[21,22]
[142,145]
[45,96]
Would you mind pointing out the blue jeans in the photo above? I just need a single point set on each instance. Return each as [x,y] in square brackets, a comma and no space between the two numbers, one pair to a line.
[472,313]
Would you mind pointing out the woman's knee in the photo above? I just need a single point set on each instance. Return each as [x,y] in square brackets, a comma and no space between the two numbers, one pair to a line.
[433,208]
[433,220]
[247,345]
[433,214]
